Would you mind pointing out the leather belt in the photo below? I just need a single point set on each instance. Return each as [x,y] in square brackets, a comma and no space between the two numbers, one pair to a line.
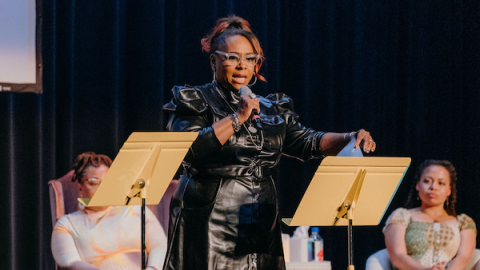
[233,171]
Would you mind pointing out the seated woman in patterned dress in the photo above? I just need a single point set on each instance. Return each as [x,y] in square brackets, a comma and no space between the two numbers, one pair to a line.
[104,237]
[429,234]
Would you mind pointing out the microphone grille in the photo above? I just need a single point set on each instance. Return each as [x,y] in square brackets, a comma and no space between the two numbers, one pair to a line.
[245,90]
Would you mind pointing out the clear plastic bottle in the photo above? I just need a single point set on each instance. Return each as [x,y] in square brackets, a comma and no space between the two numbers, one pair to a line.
[315,246]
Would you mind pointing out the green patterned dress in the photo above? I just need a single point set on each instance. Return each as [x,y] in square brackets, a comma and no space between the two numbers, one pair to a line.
[431,242]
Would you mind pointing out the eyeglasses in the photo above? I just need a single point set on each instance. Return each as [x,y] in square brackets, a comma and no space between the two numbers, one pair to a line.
[93,181]
[233,59]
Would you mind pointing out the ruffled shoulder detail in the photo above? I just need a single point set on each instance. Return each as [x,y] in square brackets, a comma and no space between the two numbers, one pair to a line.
[187,99]
[284,104]
[282,101]
[465,222]
[400,216]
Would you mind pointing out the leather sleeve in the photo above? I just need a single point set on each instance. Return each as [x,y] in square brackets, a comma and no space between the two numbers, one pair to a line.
[189,112]
[300,142]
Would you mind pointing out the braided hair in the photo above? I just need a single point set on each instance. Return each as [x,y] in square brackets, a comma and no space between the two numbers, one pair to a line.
[451,201]
[87,159]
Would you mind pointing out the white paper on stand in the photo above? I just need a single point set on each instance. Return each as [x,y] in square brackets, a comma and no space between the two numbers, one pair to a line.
[350,151]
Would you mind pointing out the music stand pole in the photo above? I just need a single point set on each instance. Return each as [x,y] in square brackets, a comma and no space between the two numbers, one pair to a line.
[144,261]
[350,246]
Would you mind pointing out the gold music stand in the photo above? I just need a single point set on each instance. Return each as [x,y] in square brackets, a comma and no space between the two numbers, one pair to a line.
[347,191]
[147,161]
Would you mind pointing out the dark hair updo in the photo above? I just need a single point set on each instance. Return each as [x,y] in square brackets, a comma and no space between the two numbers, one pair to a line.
[229,27]
[451,201]
[87,159]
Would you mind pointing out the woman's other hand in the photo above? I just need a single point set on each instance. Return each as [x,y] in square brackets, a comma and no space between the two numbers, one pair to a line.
[332,143]
[246,105]
[365,141]
[439,266]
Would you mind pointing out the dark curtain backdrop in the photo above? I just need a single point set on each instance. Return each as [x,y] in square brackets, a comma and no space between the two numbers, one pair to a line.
[408,71]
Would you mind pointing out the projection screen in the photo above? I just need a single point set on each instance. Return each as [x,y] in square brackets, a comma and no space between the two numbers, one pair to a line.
[20,46]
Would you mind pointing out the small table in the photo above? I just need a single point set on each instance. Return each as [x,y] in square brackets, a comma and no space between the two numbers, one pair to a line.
[325,265]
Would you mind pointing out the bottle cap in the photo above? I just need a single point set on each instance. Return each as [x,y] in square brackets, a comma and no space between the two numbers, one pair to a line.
[314,229]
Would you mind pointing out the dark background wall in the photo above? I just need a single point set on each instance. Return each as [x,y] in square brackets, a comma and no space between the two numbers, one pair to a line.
[407,71]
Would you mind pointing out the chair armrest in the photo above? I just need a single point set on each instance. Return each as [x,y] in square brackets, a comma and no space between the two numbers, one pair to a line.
[379,260]
[57,208]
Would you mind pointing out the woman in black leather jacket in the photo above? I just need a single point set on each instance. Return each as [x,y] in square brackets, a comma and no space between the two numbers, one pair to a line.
[224,213]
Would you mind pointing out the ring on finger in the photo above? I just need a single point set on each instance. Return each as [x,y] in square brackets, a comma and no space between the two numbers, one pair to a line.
[253,96]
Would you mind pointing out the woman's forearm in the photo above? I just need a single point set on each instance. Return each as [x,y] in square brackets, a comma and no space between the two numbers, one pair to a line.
[457,264]
[332,143]
[223,129]
[79,265]
[403,261]
[464,254]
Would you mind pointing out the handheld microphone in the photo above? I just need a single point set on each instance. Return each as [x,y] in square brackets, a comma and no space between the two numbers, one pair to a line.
[245,90]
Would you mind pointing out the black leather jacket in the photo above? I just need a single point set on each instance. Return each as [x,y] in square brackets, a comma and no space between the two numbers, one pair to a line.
[224,214]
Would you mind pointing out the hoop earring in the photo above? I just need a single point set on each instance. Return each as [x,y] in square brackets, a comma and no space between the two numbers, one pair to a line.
[254,82]
[448,200]
[214,76]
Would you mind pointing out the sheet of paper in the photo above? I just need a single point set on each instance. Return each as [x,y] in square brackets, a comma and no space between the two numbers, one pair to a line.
[349,151]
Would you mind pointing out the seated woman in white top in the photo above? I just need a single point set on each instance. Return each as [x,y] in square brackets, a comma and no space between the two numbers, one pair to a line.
[104,237]
[429,234]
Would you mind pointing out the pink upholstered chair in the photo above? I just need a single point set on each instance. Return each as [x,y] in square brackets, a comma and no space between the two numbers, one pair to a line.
[64,194]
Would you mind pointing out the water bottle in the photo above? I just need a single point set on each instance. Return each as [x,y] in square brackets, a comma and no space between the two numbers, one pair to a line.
[315,246]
